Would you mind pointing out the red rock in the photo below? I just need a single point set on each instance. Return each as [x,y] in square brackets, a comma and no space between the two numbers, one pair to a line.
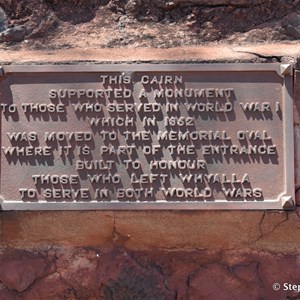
[218,282]
[95,273]
[52,287]
[19,274]
[37,229]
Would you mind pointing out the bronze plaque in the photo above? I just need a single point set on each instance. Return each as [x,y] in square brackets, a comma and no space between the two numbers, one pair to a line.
[145,136]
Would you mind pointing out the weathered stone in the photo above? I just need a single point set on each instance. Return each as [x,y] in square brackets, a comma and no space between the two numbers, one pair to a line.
[269,231]
[3,20]
[148,230]
[279,232]
[278,269]
[132,229]
[264,269]
[93,273]
[49,287]
[5,293]
[259,53]
[292,25]
[19,274]
[177,266]
[25,229]
[79,268]
[132,7]
[14,34]
[214,281]
[186,230]
[165,22]
[110,275]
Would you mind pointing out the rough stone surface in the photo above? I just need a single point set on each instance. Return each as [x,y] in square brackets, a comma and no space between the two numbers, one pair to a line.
[53,24]
[207,229]
[292,25]
[91,273]
[265,231]
[276,232]
[30,229]
[19,270]
[3,20]
[258,53]
[14,34]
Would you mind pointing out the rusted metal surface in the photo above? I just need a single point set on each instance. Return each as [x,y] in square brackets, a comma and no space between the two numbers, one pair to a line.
[147,137]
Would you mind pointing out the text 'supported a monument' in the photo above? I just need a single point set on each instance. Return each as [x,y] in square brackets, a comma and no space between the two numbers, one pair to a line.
[147,137]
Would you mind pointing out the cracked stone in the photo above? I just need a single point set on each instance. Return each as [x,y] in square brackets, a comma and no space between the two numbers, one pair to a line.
[95,273]
[19,274]
[113,275]
[247,273]
[203,284]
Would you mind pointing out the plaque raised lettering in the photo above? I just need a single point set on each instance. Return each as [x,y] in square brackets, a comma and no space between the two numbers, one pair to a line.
[147,137]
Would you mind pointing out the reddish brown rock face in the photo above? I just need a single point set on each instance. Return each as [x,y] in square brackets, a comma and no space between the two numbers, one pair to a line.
[19,274]
[20,269]
[149,255]
[92,273]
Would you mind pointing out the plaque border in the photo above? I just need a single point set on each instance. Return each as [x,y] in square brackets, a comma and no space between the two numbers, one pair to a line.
[285,200]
